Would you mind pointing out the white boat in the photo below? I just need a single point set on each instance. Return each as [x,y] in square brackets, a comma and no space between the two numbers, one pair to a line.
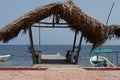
[100,61]
[4,57]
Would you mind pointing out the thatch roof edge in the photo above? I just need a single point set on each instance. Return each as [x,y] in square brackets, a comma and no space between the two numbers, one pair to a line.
[93,31]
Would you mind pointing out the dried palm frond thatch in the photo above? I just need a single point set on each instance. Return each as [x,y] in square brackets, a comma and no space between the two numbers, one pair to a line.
[93,31]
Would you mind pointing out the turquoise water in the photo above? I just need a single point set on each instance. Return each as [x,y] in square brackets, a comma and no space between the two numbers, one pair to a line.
[20,56]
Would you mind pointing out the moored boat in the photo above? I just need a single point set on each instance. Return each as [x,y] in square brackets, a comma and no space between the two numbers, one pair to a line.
[4,57]
[100,61]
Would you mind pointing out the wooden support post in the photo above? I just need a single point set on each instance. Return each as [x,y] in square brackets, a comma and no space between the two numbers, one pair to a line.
[75,37]
[53,20]
[78,51]
[32,45]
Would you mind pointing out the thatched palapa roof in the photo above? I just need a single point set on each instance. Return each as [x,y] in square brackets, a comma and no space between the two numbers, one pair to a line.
[93,31]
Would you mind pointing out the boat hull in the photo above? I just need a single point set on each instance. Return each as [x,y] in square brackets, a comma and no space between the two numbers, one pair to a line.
[4,57]
[98,61]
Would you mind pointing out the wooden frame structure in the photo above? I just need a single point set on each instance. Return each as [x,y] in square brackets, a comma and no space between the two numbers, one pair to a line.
[53,25]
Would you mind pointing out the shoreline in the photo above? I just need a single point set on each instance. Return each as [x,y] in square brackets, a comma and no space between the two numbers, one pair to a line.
[46,67]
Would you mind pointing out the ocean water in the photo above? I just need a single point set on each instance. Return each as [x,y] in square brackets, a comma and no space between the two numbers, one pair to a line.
[20,56]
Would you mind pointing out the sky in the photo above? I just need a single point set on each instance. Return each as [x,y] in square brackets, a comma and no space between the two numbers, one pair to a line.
[11,10]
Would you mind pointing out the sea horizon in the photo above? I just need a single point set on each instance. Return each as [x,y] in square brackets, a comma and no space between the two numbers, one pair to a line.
[20,56]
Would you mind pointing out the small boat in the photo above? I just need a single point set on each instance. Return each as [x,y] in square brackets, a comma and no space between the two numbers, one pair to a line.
[4,57]
[100,61]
